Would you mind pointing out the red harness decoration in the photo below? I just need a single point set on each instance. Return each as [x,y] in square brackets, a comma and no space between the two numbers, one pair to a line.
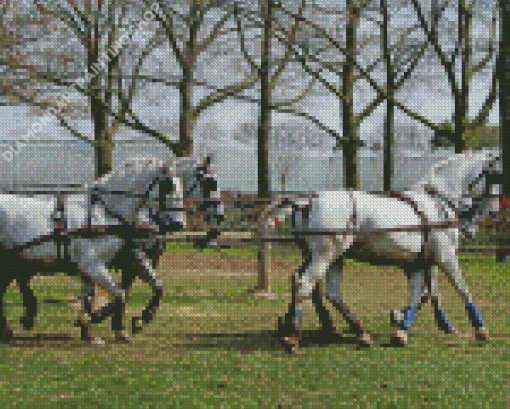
[504,203]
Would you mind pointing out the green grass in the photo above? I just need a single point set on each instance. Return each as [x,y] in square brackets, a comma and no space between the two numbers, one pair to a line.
[209,347]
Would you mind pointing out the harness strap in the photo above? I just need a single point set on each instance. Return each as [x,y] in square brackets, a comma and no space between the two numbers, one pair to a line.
[60,227]
[124,231]
[425,222]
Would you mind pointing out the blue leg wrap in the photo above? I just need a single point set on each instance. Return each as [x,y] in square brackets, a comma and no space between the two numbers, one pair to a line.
[297,319]
[474,315]
[443,321]
[408,319]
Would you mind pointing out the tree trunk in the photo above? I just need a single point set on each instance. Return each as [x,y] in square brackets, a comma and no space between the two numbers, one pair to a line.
[350,147]
[461,97]
[390,108]
[264,251]
[186,117]
[102,138]
[265,106]
[103,148]
[504,109]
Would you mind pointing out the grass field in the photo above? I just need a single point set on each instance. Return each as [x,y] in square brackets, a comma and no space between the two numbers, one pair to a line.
[210,346]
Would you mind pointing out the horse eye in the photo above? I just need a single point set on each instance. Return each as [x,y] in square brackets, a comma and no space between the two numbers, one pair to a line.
[209,186]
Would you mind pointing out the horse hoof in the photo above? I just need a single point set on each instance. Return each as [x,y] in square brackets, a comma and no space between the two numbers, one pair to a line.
[482,334]
[396,318]
[7,335]
[399,339]
[27,323]
[291,344]
[136,325]
[122,338]
[284,327]
[96,342]
[365,341]
[330,332]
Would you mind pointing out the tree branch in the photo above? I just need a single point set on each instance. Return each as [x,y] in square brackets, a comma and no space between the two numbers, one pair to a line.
[71,22]
[315,26]
[254,66]
[433,39]
[168,25]
[488,57]
[383,95]
[298,98]
[214,32]
[224,93]
[485,111]
[290,39]
[311,118]
[313,73]
[73,131]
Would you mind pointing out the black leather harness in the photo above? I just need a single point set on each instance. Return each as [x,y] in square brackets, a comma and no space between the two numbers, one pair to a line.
[62,235]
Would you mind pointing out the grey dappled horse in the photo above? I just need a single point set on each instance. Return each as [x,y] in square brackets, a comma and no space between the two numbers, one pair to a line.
[452,193]
[143,193]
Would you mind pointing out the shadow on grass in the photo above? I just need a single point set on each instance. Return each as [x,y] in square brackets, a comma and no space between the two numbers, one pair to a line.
[43,341]
[267,341]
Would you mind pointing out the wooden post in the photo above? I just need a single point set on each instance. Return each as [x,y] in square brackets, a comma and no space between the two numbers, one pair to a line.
[264,265]
[263,287]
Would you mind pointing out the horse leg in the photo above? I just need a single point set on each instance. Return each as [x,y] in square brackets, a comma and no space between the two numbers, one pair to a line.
[146,273]
[154,253]
[439,312]
[126,283]
[449,263]
[303,282]
[285,324]
[98,274]
[84,320]
[327,327]
[30,303]
[96,317]
[5,332]
[404,320]
[334,295]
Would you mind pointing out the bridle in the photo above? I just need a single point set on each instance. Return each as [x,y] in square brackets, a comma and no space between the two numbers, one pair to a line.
[164,189]
[208,184]
[470,213]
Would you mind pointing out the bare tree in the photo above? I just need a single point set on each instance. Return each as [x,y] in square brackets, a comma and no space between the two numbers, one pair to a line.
[463,48]
[183,27]
[350,71]
[98,35]
[73,78]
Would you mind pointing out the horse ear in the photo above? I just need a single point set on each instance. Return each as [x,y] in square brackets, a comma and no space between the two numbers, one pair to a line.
[206,161]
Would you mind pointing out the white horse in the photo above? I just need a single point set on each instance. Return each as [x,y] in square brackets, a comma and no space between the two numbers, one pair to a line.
[382,230]
[144,196]
[199,184]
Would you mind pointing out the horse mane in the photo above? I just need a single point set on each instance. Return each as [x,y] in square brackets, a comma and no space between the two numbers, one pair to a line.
[126,177]
[453,177]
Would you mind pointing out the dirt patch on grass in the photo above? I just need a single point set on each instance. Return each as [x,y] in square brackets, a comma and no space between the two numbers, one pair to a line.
[197,262]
